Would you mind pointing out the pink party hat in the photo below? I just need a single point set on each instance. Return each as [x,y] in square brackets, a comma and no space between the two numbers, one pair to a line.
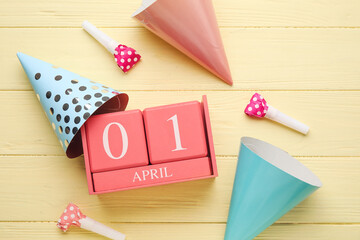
[69,100]
[191,27]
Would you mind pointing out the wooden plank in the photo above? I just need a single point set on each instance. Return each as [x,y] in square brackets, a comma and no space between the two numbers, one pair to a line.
[26,130]
[267,59]
[180,231]
[114,13]
[51,182]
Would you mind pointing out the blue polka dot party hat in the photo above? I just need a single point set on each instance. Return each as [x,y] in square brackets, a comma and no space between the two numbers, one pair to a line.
[69,100]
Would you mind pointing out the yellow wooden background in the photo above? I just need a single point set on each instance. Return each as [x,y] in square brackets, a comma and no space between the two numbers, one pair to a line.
[303,56]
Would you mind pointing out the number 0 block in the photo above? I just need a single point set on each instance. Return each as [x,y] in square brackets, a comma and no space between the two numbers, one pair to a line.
[175,132]
[116,141]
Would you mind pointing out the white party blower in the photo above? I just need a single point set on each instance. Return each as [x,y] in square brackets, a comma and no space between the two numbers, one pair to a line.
[125,57]
[259,108]
[73,216]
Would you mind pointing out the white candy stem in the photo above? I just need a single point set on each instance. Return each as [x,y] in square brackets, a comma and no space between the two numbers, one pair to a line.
[109,43]
[277,116]
[99,228]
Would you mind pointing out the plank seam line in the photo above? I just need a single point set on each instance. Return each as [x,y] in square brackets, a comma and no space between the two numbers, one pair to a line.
[225,27]
[280,223]
[214,90]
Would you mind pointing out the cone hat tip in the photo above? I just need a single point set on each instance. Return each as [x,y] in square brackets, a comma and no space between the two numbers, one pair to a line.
[19,55]
[230,82]
[227,79]
[22,56]
[26,61]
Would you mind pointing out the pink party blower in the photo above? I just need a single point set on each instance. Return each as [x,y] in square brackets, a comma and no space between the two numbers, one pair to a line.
[125,57]
[73,216]
[259,108]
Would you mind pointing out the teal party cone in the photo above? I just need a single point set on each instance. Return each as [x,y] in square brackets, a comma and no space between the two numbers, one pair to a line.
[69,100]
[268,183]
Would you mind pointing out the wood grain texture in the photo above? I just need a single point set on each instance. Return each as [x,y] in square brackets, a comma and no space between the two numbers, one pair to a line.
[266,59]
[52,182]
[302,56]
[180,231]
[113,13]
[332,131]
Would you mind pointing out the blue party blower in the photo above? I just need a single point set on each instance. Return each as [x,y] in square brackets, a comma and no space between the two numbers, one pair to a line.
[268,183]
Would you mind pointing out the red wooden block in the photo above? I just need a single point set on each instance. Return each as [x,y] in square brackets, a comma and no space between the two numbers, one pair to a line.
[175,132]
[116,141]
[152,175]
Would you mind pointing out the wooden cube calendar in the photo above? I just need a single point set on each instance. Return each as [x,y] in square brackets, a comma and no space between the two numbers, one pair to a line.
[176,138]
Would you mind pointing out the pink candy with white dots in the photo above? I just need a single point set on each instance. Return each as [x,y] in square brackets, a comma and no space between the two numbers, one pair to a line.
[71,216]
[257,106]
[126,57]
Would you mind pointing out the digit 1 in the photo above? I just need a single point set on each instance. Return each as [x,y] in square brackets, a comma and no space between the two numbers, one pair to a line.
[176,133]
[106,140]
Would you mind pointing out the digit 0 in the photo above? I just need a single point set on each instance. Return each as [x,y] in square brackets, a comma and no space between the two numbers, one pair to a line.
[106,140]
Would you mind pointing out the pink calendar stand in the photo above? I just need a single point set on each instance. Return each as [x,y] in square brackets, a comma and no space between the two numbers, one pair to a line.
[169,172]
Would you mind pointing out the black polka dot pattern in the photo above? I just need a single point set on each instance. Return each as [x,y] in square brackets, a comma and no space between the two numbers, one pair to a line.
[71,102]
[77,120]
[78,108]
[86,115]
[57,98]
[75,129]
[87,106]
[68,91]
[65,107]
[37,76]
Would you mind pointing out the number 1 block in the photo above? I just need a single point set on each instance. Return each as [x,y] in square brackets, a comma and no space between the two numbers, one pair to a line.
[175,132]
